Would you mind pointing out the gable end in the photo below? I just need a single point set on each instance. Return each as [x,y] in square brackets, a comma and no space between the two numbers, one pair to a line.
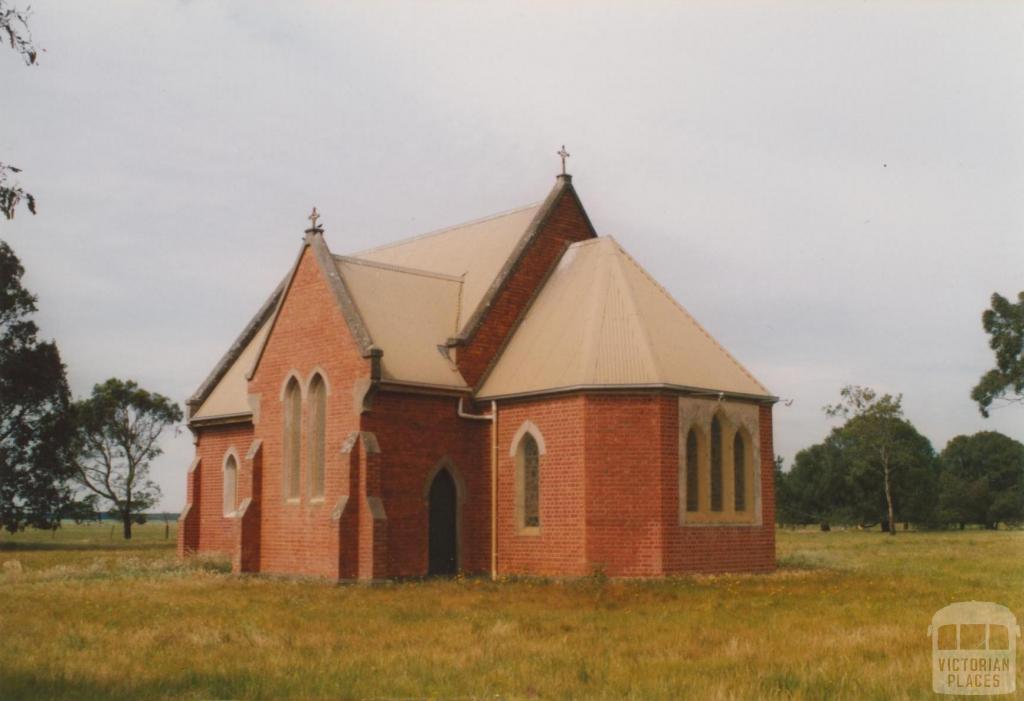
[562,188]
[325,263]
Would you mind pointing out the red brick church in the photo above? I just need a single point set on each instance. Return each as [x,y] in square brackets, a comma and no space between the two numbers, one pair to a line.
[514,395]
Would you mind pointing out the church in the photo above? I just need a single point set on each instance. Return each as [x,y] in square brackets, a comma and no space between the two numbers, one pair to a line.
[510,396]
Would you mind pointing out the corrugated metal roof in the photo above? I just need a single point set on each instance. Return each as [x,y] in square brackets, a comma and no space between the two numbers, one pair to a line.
[230,395]
[601,320]
[475,251]
[408,313]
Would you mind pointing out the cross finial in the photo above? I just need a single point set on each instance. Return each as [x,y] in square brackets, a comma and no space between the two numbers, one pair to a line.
[315,217]
[564,154]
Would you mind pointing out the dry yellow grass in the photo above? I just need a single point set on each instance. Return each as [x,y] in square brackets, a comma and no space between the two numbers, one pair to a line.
[845,617]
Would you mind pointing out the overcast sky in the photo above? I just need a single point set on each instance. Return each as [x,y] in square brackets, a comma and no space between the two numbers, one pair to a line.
[833,189]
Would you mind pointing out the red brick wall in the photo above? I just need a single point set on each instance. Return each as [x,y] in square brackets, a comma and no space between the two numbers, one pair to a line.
[215,531]
[310,332]
[626,471]
[415,433]
[768,474]
[713,548]
[610,491]
[560,547]
[566,224]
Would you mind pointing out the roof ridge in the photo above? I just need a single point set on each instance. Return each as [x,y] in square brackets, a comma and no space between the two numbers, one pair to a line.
[641,327]
[436,232]
[691,317]
[597,309]
[397,268]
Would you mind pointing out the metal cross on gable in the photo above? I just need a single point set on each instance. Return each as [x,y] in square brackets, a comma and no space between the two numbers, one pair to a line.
[314,217]
[564,154]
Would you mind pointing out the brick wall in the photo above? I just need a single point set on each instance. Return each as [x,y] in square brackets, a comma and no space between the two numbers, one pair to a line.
[610,491]
[714,548]
[626,474]
[566,224]
[310,333]
[559,547]
[416,433]
[214,442]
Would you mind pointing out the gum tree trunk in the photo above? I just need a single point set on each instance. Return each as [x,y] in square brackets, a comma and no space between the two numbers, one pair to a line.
[888,493]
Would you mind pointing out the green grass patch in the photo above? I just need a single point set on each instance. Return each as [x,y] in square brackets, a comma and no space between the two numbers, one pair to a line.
[84,616]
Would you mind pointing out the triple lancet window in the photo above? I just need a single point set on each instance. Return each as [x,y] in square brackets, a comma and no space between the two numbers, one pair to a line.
[313,428]
[717,463]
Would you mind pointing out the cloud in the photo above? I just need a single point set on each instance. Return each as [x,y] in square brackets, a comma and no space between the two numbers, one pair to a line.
[833,190]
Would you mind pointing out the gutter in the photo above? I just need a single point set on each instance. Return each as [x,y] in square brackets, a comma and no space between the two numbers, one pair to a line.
[626,389]
[493,418]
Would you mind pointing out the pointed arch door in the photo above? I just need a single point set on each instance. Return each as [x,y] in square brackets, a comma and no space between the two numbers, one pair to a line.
[443,525]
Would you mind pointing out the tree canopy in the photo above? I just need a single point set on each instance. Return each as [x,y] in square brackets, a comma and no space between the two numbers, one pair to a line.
[874,468]
[1004,322]
[35,420]
[119,428]
[982,480]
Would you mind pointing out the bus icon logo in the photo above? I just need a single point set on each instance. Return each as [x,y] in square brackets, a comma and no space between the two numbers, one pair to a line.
[974,648]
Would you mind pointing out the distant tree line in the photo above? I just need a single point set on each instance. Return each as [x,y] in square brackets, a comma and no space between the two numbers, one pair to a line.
[878,470]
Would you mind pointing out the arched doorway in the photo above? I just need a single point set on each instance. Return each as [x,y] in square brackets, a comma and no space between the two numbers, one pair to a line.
[443,508]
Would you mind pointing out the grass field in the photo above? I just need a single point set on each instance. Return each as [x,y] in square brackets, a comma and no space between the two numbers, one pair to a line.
[83,616]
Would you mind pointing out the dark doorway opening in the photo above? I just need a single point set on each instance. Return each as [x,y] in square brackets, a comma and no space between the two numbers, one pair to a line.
[443,504]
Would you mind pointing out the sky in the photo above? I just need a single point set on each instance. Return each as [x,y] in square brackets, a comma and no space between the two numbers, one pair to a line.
[833,189]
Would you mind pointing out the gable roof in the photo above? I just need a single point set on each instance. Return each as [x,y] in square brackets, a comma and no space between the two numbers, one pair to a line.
[474,251]
[599,320]
[229,395]
[473,254]
[229,363]
[234,370]
[602,321]
[484,252]
[408,313]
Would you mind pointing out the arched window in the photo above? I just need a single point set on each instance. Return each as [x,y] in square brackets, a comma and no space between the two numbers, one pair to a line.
[292,438]
[716,464]
[230,485]
[739,466]
[528,459]
[315,435]
[692,473]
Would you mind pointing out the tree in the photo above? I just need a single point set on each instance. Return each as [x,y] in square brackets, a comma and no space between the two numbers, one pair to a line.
[119,427]
[881,448]
[784,513]
[35,416]
[982,480]
[14,26]
[815,488]
[1004,322]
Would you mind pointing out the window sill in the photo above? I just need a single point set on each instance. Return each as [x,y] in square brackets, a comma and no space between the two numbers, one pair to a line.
[316,501]
[720,523]
[293,501]
[529,530]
